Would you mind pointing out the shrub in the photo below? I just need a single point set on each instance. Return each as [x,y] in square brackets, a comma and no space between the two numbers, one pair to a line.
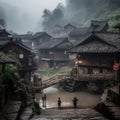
[36,108]
[92,87]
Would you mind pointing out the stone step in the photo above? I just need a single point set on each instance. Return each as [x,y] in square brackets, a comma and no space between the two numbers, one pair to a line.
[69,87]
[26,114]
[69,114]
[72,83]
[114,110]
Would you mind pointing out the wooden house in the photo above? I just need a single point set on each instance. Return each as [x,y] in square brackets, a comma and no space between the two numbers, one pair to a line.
[53,53]
[40,37]
[75,34]
[69,27]
[25,38]
[96,54]
[4,35]
[98,26]
[25,55]
[95,26]
[58,31]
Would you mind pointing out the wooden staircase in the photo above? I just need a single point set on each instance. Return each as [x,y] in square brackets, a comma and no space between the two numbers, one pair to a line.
[69,85]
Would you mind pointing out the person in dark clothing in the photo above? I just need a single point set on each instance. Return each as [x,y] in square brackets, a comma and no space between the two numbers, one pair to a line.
[75,102]
[59,103]
[45,101]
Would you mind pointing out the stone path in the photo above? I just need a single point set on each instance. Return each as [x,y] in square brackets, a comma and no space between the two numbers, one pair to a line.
[12,109]
[114,110]
[69,114]
[26,114]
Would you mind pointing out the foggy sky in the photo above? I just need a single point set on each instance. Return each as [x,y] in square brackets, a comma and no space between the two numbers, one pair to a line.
[26,13]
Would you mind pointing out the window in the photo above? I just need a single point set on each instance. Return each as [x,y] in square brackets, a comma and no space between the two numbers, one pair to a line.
[101,70]
[21,56]
[30,61]
[90,71]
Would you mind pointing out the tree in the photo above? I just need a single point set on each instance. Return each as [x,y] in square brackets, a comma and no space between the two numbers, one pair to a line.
[10,76]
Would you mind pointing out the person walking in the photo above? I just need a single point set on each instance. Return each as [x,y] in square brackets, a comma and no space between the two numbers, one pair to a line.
[45,101]
[75,100]
[59,103]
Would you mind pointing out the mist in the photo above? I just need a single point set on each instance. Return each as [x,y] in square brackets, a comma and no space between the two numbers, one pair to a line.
[24,15]
[80,12]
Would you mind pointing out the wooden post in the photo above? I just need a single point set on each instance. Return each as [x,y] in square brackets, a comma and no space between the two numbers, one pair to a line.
[118,80]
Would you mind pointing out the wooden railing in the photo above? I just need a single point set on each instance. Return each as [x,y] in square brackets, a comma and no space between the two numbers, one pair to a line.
[54,80]
[93,77]
[48,83]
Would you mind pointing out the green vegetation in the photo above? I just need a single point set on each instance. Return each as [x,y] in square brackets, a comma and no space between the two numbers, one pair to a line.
[10,75]
[83,11]
[113,18]
[92,87]
[36,108]
[52,72]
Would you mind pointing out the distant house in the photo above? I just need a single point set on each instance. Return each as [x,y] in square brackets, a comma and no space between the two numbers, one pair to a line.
[4,35]
[96,26]
[75,34]
[25,38]
[69,27]
[25,55]
[96,53]
[40,37]
[62,31]
[53,53]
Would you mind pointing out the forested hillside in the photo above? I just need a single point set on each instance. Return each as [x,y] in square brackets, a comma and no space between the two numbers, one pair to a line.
[82,12]
[76,12]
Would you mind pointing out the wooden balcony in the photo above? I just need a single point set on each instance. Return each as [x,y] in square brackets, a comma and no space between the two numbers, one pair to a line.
[93,77]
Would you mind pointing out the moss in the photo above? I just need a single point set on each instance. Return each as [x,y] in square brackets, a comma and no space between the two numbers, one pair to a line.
[36,108]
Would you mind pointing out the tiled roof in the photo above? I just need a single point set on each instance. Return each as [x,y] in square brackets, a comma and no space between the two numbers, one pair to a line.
[97,26]
[39,34]
[23,36]
[52,43]
[98,43]
[78,32]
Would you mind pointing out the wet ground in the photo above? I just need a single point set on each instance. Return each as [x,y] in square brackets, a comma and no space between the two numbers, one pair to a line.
[85,100]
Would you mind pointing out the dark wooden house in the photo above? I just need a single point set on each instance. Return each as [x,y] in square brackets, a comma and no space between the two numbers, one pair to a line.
[25,55]
[62,31]
[69,27]
[75,34]
[40,37]
[96,54]
[98,26]
[53,53]
[95,26]
[25,38]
